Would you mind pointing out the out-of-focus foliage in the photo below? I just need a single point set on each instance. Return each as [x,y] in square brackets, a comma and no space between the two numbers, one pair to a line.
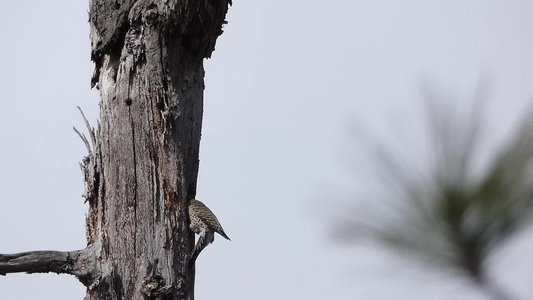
[453,216]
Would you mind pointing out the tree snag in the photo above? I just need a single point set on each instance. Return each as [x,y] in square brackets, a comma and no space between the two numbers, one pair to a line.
[142,165]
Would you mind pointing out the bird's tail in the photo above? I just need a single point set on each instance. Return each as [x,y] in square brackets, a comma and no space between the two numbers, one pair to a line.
[223,234]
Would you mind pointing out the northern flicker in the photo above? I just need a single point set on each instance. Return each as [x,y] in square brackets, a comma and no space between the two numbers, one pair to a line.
[205,224]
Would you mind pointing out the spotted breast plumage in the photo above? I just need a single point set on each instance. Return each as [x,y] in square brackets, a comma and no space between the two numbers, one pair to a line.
[205,224]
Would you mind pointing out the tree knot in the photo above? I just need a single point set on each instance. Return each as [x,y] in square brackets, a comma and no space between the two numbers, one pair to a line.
[154,287]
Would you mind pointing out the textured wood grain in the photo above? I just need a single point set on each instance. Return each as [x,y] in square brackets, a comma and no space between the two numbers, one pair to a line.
[149,70]
[78,263]
[142,164]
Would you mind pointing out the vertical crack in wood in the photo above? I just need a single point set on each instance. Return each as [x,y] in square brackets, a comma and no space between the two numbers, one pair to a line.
[135,185]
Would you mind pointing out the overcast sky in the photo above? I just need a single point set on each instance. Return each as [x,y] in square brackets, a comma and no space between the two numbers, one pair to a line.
[286,83]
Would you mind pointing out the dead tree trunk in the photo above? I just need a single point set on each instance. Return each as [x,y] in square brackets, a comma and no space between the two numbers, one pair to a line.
[143,162]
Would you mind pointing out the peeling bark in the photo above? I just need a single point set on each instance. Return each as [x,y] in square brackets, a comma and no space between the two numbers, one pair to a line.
[142,164]
[149,70]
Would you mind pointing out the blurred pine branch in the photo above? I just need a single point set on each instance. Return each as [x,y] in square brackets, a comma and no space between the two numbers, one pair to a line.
[453,217]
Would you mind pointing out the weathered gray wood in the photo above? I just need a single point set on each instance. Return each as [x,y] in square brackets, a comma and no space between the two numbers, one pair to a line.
[142,162]
[78,263]
[149,70]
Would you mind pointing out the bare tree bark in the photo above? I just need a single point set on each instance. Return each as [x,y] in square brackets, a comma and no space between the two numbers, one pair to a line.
[149,69]
[78,263]
[143,157]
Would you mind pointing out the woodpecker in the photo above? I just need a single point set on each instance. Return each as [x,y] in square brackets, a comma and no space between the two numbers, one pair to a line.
[205,224]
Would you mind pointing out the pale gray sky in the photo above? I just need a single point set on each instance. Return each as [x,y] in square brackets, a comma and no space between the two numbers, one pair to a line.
[286,82]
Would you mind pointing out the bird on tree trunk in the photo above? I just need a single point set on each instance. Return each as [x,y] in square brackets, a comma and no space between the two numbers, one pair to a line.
[205,224]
